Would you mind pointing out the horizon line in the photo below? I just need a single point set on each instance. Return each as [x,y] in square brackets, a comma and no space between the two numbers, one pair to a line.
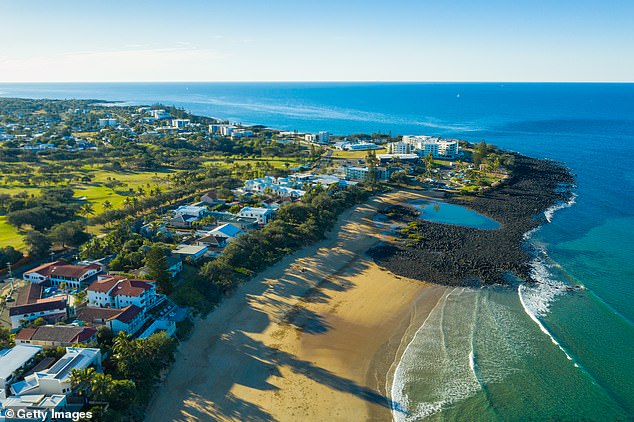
[320,81]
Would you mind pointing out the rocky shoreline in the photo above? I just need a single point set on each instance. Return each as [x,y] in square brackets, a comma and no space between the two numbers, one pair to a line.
[456,255]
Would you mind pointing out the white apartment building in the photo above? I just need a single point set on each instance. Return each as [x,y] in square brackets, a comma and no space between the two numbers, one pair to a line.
[400,148]
[117,292]
[56,379]
[107,122]
[437,147]
[180,123]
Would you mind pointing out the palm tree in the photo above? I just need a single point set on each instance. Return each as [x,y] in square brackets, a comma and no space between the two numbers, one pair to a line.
[87,209]
[107,205]
[81,379]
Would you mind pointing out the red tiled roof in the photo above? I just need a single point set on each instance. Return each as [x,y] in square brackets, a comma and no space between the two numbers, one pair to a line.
[103,286]
[29,294]
[57,333]
[128,314]
[63,269]
[125,315]
[25,334]
[44,305]
[134,288]
[90,314]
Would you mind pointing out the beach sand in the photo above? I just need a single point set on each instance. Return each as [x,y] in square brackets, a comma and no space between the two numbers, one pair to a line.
[314,337]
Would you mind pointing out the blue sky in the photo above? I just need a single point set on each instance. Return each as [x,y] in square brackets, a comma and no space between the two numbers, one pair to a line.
[319,40]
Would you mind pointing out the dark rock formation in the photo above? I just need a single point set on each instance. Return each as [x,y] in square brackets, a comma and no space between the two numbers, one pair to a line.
[449,254]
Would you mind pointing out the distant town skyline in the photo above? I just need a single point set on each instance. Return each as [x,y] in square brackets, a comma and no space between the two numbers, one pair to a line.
[79,41]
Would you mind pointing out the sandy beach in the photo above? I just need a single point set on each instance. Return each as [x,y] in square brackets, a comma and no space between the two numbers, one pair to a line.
[312,338]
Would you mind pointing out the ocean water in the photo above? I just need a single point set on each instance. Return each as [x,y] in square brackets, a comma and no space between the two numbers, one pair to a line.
[501,353]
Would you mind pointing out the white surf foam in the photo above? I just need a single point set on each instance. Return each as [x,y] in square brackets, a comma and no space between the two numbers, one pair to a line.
[433,351]
[533,308]
[550,212]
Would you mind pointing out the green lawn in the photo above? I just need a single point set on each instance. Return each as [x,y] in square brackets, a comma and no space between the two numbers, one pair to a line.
[9,235]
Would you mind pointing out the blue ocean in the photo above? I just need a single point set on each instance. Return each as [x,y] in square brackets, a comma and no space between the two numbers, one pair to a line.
[525,353]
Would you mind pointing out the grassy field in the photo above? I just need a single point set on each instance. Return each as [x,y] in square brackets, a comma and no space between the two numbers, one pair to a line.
[96,192]
[9,235]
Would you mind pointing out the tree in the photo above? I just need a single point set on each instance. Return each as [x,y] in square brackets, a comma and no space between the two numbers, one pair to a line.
[87,209]
[6,338]
[107,205]
[429,164]
[9,254]
[156,261]
[69,233]
[38,244]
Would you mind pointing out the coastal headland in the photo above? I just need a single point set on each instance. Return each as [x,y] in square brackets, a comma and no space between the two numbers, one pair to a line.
[458,255]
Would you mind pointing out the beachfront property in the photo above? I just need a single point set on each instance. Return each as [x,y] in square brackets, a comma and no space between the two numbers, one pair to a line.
[360,173]
[193,252]
[49,336]
[243,223]
[32,403]
[118,292]
[58,272]
[262,215]
[103,123]
[129,319]
[12,361]
[56,379]
[425,145]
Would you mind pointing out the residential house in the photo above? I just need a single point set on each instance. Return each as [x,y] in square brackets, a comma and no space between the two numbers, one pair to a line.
[193,252]
[129,319]
[49,336]
[12,361]
[174,265]
[118,292]
[228,231]
[33,403]
[57,378]
[263,215]
[52,310]
[211,199]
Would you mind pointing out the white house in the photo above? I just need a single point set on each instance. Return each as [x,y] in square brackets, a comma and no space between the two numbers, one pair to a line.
[52,310]
[263,215]
[56,379]
[12,360]
[58,272]
[129,319]
[227,231]
[35,402]
[117,292]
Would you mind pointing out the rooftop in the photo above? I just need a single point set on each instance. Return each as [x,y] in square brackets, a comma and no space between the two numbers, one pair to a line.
[16,357]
